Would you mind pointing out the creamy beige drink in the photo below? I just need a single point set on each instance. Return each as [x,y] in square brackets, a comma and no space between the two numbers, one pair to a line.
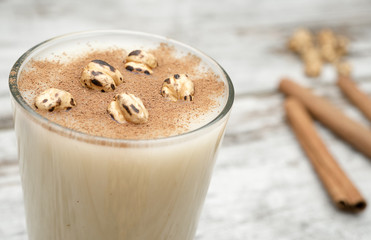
[90,177]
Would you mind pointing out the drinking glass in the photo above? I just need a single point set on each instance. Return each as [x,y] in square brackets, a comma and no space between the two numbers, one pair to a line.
[78,186]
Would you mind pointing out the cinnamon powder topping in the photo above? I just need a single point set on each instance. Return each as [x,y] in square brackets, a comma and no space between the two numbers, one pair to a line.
[90,116]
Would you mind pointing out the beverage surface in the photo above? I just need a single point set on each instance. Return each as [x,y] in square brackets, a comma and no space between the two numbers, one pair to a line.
[89,113]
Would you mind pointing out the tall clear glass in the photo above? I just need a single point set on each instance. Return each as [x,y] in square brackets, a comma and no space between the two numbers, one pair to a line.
[77,186]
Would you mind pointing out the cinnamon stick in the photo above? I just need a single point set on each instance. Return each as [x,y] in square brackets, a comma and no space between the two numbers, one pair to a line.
[354,133]
[342,191]
[355,95]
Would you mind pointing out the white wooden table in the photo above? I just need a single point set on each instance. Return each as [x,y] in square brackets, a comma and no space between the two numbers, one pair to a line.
[263,186]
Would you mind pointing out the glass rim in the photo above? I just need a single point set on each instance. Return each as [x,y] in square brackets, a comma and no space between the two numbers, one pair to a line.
[13,86]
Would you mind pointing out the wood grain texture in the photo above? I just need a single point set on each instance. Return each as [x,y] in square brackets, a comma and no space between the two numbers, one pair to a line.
[263,186]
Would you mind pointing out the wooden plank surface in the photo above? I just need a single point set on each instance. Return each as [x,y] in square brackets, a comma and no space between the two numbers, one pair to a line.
[263,186]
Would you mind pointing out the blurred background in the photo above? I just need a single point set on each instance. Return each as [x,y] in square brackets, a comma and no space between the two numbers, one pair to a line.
[263,186]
